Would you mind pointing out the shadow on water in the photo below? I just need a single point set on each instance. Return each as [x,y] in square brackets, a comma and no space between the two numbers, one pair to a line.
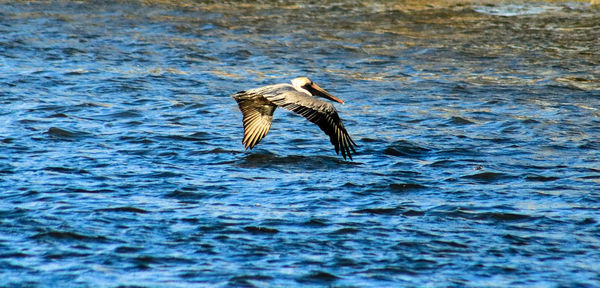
[294,162]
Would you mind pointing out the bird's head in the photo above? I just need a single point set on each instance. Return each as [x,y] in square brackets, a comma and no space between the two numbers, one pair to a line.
[305,85]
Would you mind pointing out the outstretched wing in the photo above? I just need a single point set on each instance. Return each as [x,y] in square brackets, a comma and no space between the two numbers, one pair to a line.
[258,115]
[319,112]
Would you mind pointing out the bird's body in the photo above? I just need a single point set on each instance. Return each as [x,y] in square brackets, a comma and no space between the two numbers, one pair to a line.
[258,104]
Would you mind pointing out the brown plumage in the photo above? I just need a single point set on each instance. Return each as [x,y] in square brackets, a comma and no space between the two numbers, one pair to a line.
[257,106]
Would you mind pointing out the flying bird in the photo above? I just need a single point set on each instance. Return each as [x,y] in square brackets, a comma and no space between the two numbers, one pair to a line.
[258,104]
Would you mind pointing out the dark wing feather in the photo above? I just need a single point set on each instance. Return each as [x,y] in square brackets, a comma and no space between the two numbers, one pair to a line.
[319,112]
[258,115]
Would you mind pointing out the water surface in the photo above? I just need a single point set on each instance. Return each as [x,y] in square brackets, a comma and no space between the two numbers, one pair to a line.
[121,160]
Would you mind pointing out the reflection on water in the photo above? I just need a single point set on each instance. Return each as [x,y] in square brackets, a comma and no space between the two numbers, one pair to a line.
[121,160]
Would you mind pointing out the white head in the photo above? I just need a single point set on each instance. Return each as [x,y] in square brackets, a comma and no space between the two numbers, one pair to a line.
[305,85]
[299,84]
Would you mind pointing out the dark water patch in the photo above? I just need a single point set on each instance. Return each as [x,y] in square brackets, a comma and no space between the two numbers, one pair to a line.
[461,88]
[141,139]
[63,255]
[85,190]
[216,151]
[351,185]
[588,221]
[405,187]
[30,121]
[405,148]
[164,174]
[488,177]
[449,163]
[123,115]
[124,209]
[260,230]
[136,152]
[78,72]
[240,54]
[195,106]
[594,177]
[456,120]
[518,240]
[6,169]
[344,231]
[452,244]
[92,105]
[346,262]
[64,134]
[318,277]
[194,137]
[128,249]
[47,107]
[66,170]
[188,195]
[316,222]
[261,160]
[370,140]
[540,178]
[58,115]
[485,215]
[68,236]
[411,213]
[379,211]
[169,155]
[252,280]
[146,261]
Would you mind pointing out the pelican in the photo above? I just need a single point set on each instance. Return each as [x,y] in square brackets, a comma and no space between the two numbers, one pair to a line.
[258,104]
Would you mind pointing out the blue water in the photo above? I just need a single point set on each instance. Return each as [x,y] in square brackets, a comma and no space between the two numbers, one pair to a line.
[121,161]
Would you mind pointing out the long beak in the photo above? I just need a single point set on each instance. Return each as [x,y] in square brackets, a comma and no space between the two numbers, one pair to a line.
[314,89]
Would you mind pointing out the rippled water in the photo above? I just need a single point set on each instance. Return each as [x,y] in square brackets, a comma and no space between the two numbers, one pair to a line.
[121,160]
